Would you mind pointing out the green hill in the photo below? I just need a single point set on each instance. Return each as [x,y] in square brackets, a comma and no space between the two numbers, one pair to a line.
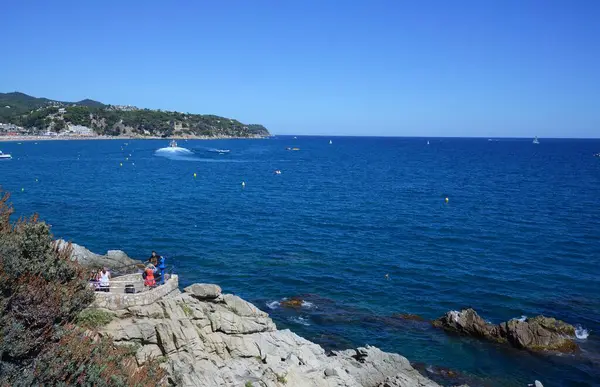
[38,115]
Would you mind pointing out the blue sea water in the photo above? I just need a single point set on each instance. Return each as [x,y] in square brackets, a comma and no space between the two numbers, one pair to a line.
[520,234]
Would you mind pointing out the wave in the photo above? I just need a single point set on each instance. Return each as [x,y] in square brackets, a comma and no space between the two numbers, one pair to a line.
[273,304]
[581,333]
[307,304]
[300,320]
[522,318]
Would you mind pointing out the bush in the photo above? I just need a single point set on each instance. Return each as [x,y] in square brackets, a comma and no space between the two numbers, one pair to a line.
[41,293]
[93,318]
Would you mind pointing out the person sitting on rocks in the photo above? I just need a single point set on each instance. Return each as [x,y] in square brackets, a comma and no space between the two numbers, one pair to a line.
[104,280]
[148,275]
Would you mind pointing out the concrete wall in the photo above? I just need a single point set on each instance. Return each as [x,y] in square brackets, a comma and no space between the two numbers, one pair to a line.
[117,298]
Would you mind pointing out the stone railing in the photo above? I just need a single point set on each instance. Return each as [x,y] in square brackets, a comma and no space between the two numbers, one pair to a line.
[117,299]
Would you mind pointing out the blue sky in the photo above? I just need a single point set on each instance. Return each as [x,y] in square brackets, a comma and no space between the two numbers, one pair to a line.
[395,68]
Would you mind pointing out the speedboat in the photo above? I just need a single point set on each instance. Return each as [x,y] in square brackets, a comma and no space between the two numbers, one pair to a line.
[173,144]
[5,156]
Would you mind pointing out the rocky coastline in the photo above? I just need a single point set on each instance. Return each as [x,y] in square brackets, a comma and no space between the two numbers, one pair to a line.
[203,337]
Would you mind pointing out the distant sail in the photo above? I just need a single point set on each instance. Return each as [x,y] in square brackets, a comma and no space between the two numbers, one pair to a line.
[536,141]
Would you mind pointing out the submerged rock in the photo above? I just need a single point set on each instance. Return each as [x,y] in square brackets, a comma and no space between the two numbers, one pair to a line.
[293,302]
[227,341]
[535,334]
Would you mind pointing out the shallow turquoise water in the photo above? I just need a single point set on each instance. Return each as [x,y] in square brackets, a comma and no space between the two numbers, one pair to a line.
[520,234]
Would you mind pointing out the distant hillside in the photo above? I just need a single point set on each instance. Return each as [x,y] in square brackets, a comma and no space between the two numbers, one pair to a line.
[37,115]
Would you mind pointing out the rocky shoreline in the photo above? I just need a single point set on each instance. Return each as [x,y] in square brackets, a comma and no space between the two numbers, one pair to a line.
[203,337]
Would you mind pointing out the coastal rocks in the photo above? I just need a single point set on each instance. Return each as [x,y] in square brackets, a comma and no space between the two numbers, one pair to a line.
[116,260]
[227,341]
[204,291]
[293,302]
[535,334]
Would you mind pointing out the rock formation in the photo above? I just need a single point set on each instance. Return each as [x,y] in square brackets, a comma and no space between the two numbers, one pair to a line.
[116,260]
[205,338]
[535,334]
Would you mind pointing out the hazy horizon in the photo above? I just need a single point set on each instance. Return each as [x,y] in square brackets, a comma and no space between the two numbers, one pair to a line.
[382,68]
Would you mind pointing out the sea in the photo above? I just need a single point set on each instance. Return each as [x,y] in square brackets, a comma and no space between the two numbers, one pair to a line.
[362,229]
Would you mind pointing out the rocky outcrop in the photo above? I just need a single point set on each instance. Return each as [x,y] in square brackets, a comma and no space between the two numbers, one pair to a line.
[205,338]
[535,334]
[116,260]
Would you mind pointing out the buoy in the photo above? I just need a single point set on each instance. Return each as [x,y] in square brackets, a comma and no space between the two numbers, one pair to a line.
[126,158]
[243,183]
[387,276]
[120,164]
[194,175]
[22,189]
[36,179]
[446,200]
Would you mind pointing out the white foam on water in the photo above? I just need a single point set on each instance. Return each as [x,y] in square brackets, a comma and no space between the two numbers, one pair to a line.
[300,320]
[273,304]
[581,333]
[173,151]
[307,304]
[522,318]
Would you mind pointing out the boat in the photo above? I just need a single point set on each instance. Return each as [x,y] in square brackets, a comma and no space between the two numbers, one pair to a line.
[330,142]
[427,142]
[173,144]
[536,141]
[222,151]
[5,156]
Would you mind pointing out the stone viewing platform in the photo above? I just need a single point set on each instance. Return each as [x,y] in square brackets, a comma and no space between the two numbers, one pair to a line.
[117,298]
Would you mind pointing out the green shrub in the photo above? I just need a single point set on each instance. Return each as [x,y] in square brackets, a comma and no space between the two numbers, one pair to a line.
[93,318]
[42,292]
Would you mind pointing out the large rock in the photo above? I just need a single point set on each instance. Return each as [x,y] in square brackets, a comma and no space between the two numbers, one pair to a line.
[204,291]
[116,260]
[535,334]
[227,341]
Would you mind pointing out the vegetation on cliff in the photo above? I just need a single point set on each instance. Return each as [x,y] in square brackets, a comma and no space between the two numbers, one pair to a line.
[41,114]
[42,292]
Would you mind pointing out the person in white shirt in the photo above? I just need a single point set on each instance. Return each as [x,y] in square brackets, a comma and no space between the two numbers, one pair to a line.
[104,280]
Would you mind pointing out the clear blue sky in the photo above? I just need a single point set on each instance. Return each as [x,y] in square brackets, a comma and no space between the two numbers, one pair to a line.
[396,68]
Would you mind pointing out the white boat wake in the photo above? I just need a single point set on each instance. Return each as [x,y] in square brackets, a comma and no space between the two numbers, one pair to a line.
[174,153]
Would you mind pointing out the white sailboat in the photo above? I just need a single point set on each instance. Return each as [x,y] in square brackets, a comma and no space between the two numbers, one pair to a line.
[536,141]
[330,142]
[427,142]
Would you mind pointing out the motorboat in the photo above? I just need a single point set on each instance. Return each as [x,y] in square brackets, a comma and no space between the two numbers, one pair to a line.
[173,144]
[5,156]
